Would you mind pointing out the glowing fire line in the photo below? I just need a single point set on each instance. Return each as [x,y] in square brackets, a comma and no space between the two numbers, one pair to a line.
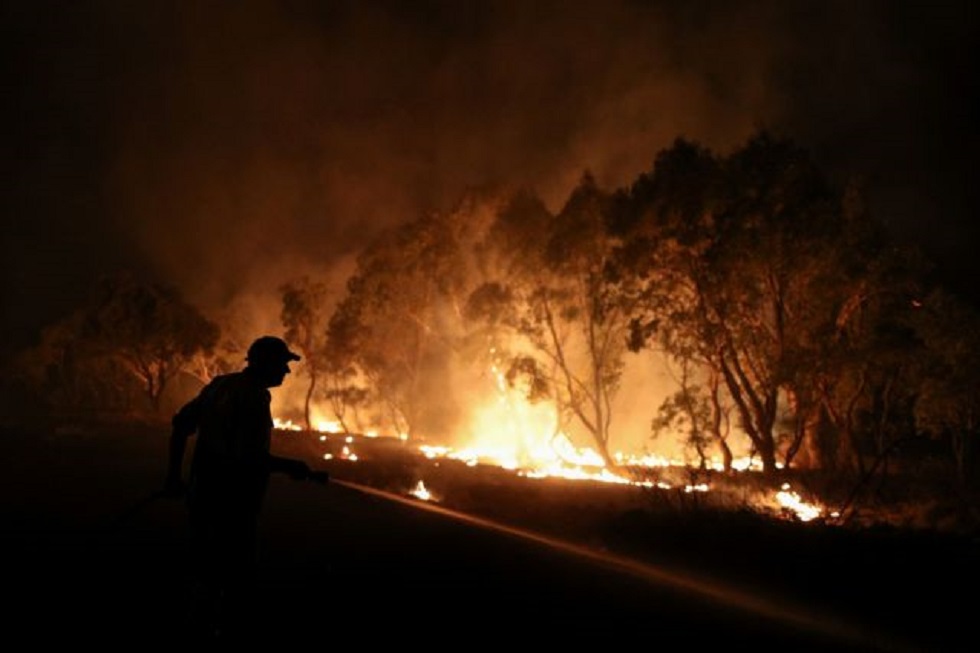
[785,499]
[508,431]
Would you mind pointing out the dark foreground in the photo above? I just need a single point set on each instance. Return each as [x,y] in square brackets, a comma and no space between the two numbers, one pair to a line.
[95,559]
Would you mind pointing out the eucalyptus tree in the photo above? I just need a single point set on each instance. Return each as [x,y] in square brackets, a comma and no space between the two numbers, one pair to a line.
[391,318]
[304,315]
[947,407]
[554,302]
[733,263]
[66,372]
[148,329]
[664,222]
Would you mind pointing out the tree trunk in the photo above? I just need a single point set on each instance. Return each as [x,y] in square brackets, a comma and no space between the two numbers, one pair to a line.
[309,399]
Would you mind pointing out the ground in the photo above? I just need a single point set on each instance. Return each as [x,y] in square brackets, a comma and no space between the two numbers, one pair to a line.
[67,489]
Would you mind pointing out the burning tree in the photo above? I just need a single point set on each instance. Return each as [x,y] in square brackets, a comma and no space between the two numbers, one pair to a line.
[728,255]
[786,312]
[556,295]
[698,408]
[393,316]
[340,356]
[304,316]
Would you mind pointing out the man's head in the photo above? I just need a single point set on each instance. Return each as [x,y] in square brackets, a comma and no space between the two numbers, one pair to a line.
[269,357]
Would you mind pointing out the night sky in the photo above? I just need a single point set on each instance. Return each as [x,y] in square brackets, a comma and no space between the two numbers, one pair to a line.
[226,146]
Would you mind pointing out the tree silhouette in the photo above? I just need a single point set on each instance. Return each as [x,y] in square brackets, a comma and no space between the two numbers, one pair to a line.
[555,293]
[304,314]
[729,257]
[948,404]
[393,317]
[147,328]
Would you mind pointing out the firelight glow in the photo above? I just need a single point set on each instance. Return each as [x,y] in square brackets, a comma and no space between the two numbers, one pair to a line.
[508,431]
[568,462]
[421,492]
[792,501]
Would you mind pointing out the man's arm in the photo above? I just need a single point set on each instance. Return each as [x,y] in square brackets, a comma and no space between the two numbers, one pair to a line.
[296,469]
[184,424]
[174,483]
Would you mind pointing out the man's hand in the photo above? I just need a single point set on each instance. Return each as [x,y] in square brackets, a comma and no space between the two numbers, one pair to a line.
[298,470]
[320,477]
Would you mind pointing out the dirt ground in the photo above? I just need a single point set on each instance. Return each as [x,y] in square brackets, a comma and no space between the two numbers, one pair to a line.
[76,494]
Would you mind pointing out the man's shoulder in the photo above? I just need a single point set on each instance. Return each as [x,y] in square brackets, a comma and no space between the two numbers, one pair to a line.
[215,392]
[229,377]
[220,382]
[240,384]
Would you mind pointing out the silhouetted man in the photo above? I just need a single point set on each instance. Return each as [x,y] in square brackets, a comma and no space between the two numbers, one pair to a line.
[229,474]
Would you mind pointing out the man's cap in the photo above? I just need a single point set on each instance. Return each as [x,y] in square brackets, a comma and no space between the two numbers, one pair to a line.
[270,348]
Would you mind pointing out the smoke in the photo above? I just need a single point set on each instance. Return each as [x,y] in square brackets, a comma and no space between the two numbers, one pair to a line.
[227,147]
[285,136]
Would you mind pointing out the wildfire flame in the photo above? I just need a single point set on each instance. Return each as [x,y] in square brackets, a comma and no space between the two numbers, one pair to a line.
[792,501]
[587,466]
[422,492]
[510,432]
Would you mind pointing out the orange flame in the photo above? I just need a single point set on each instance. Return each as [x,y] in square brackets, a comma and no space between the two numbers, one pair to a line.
[508,431]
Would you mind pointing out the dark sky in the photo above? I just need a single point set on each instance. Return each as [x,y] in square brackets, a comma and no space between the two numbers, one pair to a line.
[225,146]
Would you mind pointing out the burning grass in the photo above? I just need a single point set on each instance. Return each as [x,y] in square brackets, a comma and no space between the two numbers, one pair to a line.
[576,501]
